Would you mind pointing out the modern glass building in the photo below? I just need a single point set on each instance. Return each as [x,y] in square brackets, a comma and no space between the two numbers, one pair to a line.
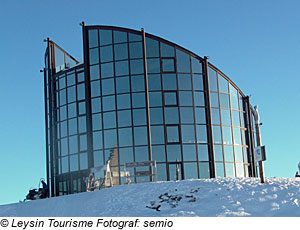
[137,98]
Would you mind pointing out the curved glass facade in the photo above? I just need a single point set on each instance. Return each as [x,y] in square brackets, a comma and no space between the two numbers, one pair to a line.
[139,98]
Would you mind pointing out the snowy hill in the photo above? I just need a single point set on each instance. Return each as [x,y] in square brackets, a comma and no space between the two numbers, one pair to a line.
[209,197]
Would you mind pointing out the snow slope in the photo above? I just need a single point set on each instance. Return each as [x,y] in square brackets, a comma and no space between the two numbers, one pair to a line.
[208,197]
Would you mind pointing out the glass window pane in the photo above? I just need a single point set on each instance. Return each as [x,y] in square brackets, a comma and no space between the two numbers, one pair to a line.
[137,83]
[138,100]
[108,103]
[123,101]
[98,158]
[187,115]
[229,167]
[166,50]
[196,65]
[225,115]
[171,115]
[94,56]
[107,70]
[105,37]
[122,85]
[214,100]
[137,66]
[153,65]
[215,116]
[95,88]
[109,120]
[204,170]
[83,143]
[197,82]
[189,153]
[174,153]
[72,126]
[201,133]
[239,170]
[120,36]
[74,163]
[173,134]
[65,164]
[64,147]
[71,79]
[188,133]
[134,37]
[106,54]
[71,94]
[203,153]
[158,153]
[183,62]
[152,49]
[228,153]
[169,82]
[82,124]
[122,68]
[124,118]
[200,115]
[63,127]
[168,65]
[184,82]
[234,98]
[62,83]
[80,76]
[135,50]
[235,118]
[81,108]
[93,38]
[155,99]
[141,154]
[223,84]
[110,138]
[185,98]
[73,144]
[213,80]
[157,135]
[170,98]
[125,137]
[190,171]
[199,99]
[63,113]
[96,105]
[217,135]
[62,97]
[139,117]
[156,116]
[81,92]
[154,82]
[140,136]
[97,140]
[126,155]
[94,72]
[237,136]
[83,161]
[219,170]
[224,100]
[121,52]
[238,154]
[227,135]
[108,87]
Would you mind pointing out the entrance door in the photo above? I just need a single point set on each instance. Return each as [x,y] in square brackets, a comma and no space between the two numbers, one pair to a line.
[175,170]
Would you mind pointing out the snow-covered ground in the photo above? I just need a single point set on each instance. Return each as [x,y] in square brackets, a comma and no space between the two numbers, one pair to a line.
[209,197]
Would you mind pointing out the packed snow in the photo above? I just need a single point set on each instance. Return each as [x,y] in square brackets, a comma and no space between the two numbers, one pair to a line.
[206,198]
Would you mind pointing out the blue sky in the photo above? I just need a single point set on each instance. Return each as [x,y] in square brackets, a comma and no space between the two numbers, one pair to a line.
[255,43]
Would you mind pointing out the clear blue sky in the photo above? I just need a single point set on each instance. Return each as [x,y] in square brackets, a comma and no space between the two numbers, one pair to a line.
[256,43]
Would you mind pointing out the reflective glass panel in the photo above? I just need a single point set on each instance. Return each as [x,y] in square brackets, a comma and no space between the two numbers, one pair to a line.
[171,115]
[229,167]
[224,100]
[93,38]
[188,133]
[63,113]
[122,85]
[96,105]
[235,118]
[124,118]
[137,66]
[183,62]
[97,140]
[225,115]
[227,135]
[204,170]
[239,170]
[73,144]
[156,116]
[173,134]
[123,101]
[174,153]
[168,65]
[83,161]
[169,82]
[170,98]
[137,83]
[65,164]
[105,37]
[108,87]
[154,82]
[228,153]
[155,99]
[200,115]
[166,50]
[238,154]
[197,82]
[139,117]
[81,92]
[71,94]
[134,37]
[203,153]
[95,88]
[107,70]
[108,103]
[110,138]
[64,147]
[214,100]
[125,137]
[213,80]
[109,120]
[234,98]
[196,65]
[126,155]
[184,82]
[106,54]
[219,170]
[121,68]
[83,143]
[64,130]
[217,135]
[62,97]
[201,133]
[94,72]
[74,163]
[153,65]
[158,153]
[82,124]
[72,126]
[80,76]
[141,154]
[121,52]
[152,48]
[120,36]
[135,50]
[185,98]
[81,108]
[223,84]
[190,171]
[186,115]
[71,79]
[237,136]
[157,135]
[215,116]
[138,100]
[189,153]
[98,158]
[62,83]
[140,136]
[94,56]
[199,99]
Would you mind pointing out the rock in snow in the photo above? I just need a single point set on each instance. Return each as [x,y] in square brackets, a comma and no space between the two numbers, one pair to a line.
[205,197]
